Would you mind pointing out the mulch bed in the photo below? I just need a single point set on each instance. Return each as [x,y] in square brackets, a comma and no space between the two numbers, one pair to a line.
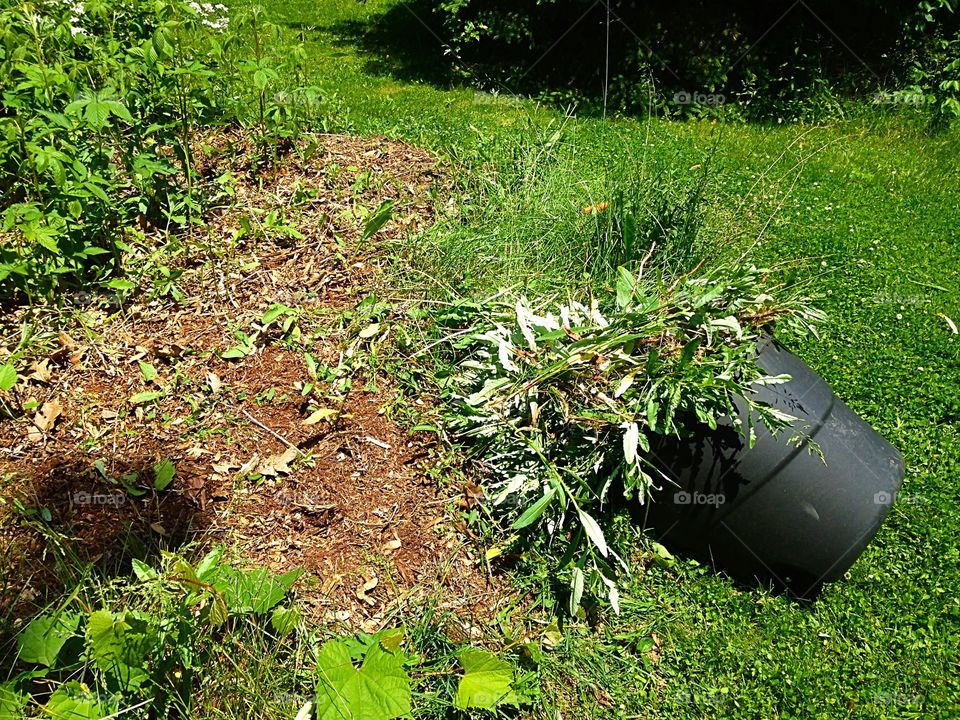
[346,498]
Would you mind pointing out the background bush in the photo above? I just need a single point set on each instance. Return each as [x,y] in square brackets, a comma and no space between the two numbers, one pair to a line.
[773,60]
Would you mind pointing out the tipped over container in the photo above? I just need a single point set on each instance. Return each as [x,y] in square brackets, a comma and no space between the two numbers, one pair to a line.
[798,508]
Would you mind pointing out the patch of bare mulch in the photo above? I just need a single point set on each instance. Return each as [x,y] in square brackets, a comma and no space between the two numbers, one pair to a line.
[345,497]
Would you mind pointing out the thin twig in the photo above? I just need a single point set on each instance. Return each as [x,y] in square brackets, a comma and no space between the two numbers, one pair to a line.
[277,435]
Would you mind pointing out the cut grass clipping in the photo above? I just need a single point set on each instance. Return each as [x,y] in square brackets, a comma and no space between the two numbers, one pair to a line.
[560,407]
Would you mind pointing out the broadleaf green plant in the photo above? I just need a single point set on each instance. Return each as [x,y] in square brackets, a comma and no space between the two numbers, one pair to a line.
[377,690]
[486,682]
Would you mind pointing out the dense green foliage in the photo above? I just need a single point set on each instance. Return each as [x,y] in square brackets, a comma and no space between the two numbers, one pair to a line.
[146,648]
[103,104]
[562,407]
[772,60]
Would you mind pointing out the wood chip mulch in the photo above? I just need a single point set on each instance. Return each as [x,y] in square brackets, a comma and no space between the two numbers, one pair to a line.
[346,498]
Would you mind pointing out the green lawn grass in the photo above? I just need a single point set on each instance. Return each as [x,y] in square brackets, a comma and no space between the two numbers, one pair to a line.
[872,203]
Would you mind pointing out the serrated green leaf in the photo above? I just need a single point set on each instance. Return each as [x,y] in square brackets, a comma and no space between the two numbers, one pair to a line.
[120,645]
[253,591]
[392,638]
[486,681]
[75,701]
[163,473]
[143,571]
[8,376]
[378,690]
[209,564]
[376,221]
[284,619]
[96,112]
[45,636]
[183,569]
[120,110]
[12,702]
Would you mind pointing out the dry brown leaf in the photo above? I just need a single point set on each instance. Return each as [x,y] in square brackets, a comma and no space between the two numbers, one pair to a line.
[365,588]
[391,546]
[45,419]
[275,464]
[66,341]
[40,371]
[329,583]
[250,465]
[214,382]
[473,494]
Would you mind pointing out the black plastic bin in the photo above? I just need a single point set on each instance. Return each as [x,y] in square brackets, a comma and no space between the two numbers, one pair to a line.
[794,514]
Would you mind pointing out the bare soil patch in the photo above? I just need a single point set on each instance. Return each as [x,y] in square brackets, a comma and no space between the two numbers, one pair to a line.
[345,497]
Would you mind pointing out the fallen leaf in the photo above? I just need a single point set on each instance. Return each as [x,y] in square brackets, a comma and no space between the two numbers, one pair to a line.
[66,341]
[214,382]
[158,529]
[249,466]
[473,494]
[329,584]
[391,546]
[365,588]
[40,371]
[47,417]
[318,415]
[275,464]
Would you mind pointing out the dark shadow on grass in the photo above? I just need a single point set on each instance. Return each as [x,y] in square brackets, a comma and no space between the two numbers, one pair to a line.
[403,43]
[763,59]
[68,521]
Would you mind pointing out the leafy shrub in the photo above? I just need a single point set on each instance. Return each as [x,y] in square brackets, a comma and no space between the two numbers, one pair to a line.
[146,653]
[99,106]
[102,105]
[156,648]
[933,45]
[560,407]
